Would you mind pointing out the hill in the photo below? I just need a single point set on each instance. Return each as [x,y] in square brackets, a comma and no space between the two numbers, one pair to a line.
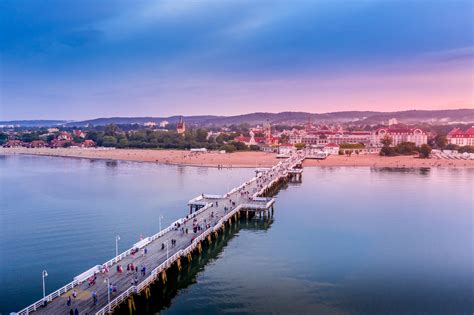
[284,118]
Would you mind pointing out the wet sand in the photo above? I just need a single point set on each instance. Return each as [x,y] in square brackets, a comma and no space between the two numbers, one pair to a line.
[237,159]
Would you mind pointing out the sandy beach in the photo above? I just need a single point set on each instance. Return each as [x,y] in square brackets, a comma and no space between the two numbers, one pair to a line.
[237,159]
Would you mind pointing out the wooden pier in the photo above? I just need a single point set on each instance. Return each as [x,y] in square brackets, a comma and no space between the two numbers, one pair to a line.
[208,216]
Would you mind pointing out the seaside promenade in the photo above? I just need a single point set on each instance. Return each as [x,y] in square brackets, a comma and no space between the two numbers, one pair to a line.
[152,256]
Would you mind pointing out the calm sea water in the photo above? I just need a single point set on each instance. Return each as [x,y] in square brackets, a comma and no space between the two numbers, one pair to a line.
[345,241]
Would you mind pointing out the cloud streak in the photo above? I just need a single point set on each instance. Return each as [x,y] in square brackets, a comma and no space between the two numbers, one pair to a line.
[171,57]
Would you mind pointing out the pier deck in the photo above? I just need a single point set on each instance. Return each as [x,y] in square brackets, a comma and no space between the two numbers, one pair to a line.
[209,212]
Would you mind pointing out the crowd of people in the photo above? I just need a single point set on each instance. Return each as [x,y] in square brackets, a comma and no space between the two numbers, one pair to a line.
[246,192]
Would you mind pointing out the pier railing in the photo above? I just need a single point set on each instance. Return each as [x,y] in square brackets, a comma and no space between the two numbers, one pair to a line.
[290,163]
[163,266]
[48,298]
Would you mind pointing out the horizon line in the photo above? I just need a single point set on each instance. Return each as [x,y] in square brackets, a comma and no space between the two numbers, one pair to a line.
[243,114]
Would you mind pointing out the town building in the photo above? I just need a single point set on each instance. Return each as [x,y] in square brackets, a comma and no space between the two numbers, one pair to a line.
[163,123]
[252,140]
[79,133]
[331,148]
[88,144]
[392,121]
[286,149]
[150,124]
[65,136]
[13,143]
[323,137]
[461,138]
[399,134]
[181,126]
[36,144]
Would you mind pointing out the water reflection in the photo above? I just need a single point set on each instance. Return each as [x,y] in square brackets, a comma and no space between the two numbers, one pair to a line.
[162,295]
[111,164]
[402,170]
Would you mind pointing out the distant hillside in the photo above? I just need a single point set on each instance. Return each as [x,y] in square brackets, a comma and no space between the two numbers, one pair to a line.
[33,123]
[138,120]
[430,116]
[367,117]
[289,118]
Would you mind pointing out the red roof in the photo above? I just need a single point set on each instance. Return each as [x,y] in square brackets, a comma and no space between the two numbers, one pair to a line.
[331,145]
[459,133]
[242,139]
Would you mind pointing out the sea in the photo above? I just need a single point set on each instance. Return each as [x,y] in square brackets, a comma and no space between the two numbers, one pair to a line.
[346,240]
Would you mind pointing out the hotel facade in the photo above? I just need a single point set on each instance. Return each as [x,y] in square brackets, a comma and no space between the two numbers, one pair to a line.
[461,138]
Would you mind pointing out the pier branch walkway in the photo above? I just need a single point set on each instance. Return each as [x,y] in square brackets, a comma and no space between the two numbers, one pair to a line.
[208,215]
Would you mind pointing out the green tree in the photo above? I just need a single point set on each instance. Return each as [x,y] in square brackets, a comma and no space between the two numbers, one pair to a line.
[352,146]
[201,135]
[406,148]
[387,151]
[29,137]
[77,139]
[123,143]
[441,141]
[386,141]
[111,130]
[109,141]
[50,138]
[451,146]
[425,151]
[229,148]
[299,146]
[240,146]
[466,148]
[92,135]
[3,137]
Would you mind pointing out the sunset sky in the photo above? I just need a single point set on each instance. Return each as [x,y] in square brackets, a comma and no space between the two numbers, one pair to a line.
[88,59]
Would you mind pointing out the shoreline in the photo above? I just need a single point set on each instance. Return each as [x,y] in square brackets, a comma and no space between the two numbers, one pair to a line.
[247,159]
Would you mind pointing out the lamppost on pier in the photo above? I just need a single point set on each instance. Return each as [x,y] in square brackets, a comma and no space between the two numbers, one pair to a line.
[106,280]
[44,274]
[117,238]
[159,219]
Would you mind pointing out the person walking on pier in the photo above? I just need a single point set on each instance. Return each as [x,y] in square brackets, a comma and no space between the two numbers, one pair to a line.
[94,297]
[68,302]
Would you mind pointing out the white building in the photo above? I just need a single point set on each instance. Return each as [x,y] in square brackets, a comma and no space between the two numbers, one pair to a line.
[326,137]
[150,124]
[163,123]
[286,149]
[392,121]
[462,138]
[331,148]
[399,135]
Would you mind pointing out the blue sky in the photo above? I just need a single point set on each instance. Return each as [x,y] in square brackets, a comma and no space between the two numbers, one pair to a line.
[85,59]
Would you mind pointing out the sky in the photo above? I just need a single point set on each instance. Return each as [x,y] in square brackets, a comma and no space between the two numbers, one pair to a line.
[87,59]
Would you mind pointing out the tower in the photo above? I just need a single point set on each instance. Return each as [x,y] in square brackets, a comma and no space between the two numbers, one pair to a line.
[181,126]
[268,132]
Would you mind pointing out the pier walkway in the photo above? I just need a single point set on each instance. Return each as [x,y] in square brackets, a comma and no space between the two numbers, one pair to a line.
[207,214]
